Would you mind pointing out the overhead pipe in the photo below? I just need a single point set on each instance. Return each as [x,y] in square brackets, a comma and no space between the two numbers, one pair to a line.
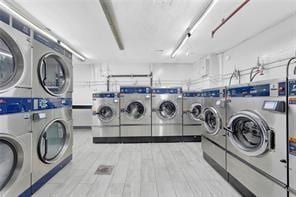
[131,76]
[224,20]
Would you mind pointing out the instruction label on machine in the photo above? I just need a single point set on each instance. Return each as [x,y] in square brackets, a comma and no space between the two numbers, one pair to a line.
[292,146]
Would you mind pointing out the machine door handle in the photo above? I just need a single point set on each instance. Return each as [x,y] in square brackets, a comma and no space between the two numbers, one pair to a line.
[39,116]
[45,145]
[155,110]
[283,161]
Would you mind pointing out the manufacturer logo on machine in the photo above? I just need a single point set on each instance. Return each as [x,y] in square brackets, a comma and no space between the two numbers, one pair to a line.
[43,103]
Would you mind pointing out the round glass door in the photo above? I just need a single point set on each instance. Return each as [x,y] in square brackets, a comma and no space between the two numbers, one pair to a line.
[8,160]
[195,111]
[135,110]
[167,110]
[53,74]
[105,113]
[52,141]
[212,121]
[249,133]
[11,61]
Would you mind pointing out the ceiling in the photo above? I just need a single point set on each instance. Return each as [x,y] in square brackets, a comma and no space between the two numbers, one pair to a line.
[150,29]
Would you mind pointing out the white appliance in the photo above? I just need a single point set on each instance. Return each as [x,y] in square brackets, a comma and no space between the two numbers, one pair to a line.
[15,107]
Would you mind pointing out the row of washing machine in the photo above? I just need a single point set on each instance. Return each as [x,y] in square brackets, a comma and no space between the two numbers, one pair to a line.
[248,139]
[144,114]
[35,108]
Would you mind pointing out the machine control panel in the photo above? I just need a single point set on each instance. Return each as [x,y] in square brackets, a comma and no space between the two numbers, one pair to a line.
[135,90]
[167,90]
[211,93]
[105,95]
[192,94]
[250,91]
[276,106]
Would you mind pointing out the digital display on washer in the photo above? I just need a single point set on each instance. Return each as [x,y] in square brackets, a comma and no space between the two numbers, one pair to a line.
[277,106]
[270,105]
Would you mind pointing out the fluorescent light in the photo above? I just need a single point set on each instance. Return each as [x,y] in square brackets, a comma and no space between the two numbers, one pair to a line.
[176,51]
[27,21]
[81,57]
[203,16]
[5,54]
[2,4]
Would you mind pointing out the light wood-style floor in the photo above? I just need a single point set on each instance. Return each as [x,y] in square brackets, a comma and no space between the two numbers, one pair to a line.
[141,170]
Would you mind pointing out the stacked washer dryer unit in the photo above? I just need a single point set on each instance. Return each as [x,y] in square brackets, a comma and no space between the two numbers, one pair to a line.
[256,142]
[135,118]
[292,136]
[15,107]
[52,109]
[106,113]
[192,110]
[213,137]
[167,114]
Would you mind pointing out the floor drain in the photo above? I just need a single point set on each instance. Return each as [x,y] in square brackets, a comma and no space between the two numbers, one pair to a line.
[104,170]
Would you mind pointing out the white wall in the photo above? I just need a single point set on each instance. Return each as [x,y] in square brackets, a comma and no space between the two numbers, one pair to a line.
[89,78]
[277,42]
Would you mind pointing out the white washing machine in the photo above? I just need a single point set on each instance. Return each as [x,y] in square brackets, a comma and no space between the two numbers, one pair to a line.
[257,138]
[292,135]
[192,111]
[52,109]
[135,116]
[15,107]
[167,114]
[213,137]
[105,119]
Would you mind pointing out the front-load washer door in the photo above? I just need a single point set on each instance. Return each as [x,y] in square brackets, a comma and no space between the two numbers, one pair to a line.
[195,111]
[249,133]
[105,113]
[135,110]
[11,61]
[212,121]
[54,74]
[167,110]
[8,161]
[52,142]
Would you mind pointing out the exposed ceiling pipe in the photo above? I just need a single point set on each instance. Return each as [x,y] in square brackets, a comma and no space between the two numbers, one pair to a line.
[110,16]
[224,20]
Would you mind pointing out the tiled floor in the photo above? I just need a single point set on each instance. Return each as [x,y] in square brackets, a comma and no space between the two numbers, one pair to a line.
[146,170]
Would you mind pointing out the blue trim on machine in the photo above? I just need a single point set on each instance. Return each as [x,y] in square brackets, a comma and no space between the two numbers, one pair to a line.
[21,27]
[4,17]
[11,105]
[50,103]
[37,185]
[51,44]
[192,94]
[282,89]
[26,193]
[250,91]
[211,93]
[104,95]
[292,88]
[167,90]
[134,90]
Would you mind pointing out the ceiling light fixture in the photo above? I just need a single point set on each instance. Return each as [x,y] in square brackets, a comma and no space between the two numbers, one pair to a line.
[193,27]
[82,58]
[112,21]
[180,45]
[203,16]
[51,37]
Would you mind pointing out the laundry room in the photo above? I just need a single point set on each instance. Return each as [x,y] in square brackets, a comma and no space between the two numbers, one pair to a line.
[147,98]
